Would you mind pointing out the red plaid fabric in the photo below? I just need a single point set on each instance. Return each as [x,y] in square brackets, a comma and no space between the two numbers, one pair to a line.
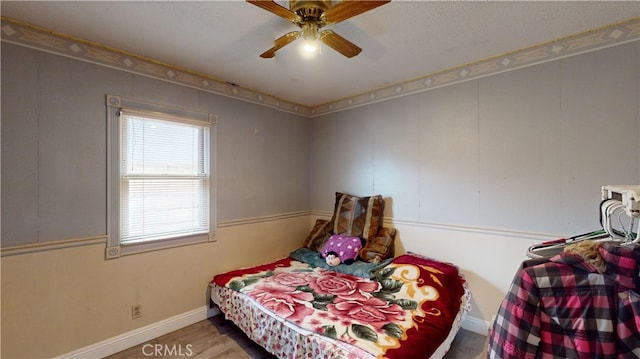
[565,309]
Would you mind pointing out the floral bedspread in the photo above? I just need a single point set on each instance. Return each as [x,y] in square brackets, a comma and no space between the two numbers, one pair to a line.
[405,311]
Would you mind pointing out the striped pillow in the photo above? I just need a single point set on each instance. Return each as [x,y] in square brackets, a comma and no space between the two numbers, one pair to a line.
[318,235]
[379,247]
[357,216]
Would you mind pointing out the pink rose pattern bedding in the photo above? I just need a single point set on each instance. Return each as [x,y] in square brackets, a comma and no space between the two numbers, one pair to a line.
[405,311]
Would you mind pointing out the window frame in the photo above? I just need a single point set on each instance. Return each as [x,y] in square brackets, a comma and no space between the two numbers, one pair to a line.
[115,104]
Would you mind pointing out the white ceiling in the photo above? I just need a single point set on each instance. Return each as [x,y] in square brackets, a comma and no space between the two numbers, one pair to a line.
[401,41]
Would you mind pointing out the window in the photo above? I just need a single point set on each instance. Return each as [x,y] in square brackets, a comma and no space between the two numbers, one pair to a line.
[160,181]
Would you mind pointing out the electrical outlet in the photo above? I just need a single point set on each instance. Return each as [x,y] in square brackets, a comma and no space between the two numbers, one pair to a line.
[136,311]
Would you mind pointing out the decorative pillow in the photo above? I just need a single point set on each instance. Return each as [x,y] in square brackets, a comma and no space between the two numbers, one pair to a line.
[346,247]
[357,216]
[318,235]
[379,247]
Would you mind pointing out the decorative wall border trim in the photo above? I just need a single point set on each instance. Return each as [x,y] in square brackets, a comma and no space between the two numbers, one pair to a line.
[608,36]
[27,35]
[52,245]
[20,33]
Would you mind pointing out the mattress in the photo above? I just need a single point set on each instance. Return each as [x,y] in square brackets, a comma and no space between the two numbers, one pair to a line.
[418,306]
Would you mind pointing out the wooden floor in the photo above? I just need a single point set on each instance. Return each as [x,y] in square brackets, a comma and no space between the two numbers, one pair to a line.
[216,338]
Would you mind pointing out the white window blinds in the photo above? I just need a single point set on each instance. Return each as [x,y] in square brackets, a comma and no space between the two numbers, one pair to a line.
[164,177]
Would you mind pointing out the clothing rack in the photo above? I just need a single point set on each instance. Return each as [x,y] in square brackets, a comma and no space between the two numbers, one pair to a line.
[612,210]
[550,248]
[619,211]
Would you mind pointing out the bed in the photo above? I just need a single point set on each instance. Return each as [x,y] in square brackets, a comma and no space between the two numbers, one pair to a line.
[380,306]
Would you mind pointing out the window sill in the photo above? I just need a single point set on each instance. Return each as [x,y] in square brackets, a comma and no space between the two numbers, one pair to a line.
[135,248]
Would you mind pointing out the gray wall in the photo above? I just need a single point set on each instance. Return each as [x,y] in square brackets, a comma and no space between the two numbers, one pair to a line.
[526,150]
[54,147]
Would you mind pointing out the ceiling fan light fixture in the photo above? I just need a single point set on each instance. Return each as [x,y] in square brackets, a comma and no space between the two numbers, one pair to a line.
[311,16]
[310,31]
[309,49]
[311,44]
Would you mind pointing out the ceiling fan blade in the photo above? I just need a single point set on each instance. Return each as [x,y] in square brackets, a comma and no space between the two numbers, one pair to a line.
[347,9]
[280,42]
[275,8]
[339,43]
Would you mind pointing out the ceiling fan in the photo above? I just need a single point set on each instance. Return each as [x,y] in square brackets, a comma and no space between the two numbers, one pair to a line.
[311,16]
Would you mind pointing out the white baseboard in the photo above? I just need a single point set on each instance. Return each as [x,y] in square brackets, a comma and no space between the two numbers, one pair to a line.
[476,325]
[151,331]
[141,335]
